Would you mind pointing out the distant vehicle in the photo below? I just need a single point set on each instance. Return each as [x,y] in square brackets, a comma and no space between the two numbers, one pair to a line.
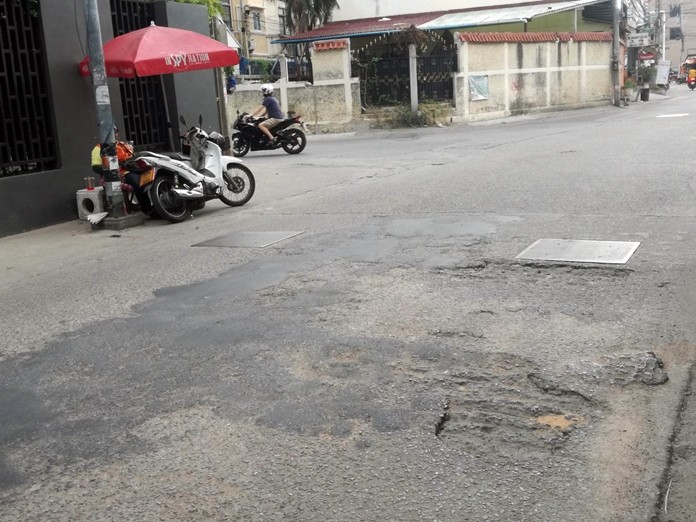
[688,64]
[247,136]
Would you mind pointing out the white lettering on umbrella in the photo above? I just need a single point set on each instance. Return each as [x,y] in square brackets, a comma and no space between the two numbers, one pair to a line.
[183,60]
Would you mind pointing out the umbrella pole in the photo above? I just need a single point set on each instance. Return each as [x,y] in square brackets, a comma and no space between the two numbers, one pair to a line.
[167,114]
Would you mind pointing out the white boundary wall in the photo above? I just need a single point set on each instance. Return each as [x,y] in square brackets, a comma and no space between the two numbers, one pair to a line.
[531,72]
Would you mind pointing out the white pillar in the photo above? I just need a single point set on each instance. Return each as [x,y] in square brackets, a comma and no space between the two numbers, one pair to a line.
[348,93]
[413,76]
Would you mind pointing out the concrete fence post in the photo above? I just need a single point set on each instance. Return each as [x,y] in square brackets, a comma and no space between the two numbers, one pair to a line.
[413,76]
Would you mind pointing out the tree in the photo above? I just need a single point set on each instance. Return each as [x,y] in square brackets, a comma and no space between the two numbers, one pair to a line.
[214,6]
[305,15]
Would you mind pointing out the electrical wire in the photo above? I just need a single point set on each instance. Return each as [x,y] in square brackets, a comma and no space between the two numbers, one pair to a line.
[77,29]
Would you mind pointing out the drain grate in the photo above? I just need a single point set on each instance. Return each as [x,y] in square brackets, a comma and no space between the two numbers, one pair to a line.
[249,239]
[580,251]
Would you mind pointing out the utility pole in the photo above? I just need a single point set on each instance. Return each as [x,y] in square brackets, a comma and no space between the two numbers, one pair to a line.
[117,218]
[245,37]
[615,69]
[663,19]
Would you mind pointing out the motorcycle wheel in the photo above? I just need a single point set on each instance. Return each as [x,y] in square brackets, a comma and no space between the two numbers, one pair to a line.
[239,185]
[294,141]
[167,204]
[240,146]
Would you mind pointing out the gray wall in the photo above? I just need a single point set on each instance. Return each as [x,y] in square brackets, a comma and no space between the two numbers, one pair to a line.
[37,200]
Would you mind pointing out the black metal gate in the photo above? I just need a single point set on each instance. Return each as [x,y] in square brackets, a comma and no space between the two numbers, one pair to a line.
[27,131]
[144,110]
[435,77]
[383,80]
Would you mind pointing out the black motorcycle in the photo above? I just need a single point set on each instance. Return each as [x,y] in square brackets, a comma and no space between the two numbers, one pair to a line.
[247,135]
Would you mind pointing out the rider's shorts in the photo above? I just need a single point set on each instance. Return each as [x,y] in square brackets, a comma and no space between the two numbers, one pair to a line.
[271,122]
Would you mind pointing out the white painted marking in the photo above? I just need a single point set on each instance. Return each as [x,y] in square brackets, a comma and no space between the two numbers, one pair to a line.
[673,115]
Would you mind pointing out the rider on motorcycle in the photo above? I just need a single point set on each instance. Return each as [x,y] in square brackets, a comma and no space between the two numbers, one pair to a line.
[271,109]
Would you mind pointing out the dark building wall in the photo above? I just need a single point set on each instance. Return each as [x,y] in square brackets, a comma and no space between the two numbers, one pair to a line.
[34,200]
[37,200]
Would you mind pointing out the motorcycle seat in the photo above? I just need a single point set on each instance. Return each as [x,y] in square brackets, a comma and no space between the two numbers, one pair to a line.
[148,154]
[177,156]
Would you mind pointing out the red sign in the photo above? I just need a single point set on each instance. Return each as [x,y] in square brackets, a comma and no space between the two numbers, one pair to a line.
[646,56]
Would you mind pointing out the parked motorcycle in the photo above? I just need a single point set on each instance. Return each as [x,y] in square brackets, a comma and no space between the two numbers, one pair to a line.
[247,135]
[177,183]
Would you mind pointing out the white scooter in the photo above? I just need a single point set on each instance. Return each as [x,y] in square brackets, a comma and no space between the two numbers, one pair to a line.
[178,184]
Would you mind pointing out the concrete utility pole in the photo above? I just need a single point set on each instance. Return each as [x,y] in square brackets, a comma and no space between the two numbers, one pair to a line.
[117,218]
[244,14]
[615,69]
[663,21]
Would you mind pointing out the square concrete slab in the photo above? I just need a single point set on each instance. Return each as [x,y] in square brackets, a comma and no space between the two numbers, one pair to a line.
[580,251]
[249,239]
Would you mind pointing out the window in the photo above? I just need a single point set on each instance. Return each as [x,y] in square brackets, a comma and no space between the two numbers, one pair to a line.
[256,21]
[281,21]
[27,136]
[226,13]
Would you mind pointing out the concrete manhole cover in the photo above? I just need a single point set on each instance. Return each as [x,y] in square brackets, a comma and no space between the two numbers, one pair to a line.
[249,239]
[580,251]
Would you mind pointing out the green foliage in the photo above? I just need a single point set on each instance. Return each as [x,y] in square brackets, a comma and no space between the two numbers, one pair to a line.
[385,100]
[629,84]
[412,35]
[264,67]
[405,117]
[214,6]
[34,8]
[427,115]
[646,74]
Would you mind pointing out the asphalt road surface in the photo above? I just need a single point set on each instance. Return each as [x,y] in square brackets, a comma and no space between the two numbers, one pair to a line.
[391,358]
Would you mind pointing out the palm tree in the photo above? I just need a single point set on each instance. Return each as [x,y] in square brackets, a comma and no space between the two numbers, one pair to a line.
[305,15]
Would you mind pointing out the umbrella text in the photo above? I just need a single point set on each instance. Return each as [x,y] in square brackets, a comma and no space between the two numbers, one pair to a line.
[184,60]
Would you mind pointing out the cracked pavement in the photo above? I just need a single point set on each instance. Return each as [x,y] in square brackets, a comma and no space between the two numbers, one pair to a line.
[393,362]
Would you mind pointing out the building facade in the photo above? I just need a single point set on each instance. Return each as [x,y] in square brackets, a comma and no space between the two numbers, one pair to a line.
[255,24]
[48,122]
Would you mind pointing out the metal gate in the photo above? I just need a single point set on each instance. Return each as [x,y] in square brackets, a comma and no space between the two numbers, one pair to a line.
[383,81]
[144,111]
[435,77]
[27,131]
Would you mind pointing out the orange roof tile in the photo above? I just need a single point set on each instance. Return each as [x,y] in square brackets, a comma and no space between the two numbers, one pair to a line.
[534,37]
[328,45]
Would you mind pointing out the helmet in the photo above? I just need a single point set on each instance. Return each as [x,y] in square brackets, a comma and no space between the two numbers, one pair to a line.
[267,89]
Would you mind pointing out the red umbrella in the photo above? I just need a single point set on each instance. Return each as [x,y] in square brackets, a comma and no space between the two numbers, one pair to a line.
[162,50]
